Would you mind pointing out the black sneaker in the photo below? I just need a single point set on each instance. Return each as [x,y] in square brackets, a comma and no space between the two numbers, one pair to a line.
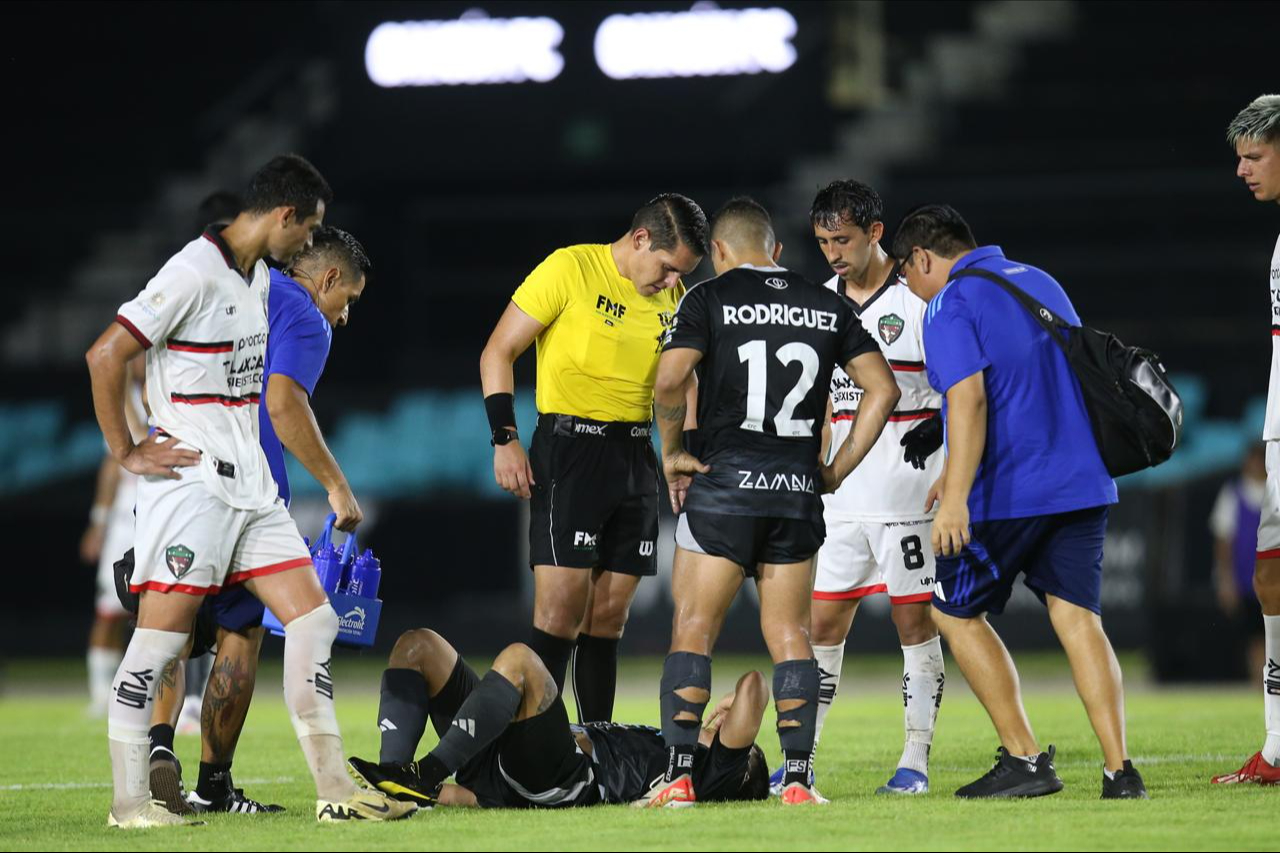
[165,779]
[398,781]
[1016,777]
[1127,784]
[234,802]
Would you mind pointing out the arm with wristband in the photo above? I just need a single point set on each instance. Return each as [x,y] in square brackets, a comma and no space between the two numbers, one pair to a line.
[515,331]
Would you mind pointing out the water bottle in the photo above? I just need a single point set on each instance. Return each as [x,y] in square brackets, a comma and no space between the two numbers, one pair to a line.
[328,567]
[350,550]
[366,574]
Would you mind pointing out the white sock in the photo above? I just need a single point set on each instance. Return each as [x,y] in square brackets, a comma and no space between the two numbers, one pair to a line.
[129,715]
[830,662]
[102,665]
[308,692]
[923,677]
[1271,689]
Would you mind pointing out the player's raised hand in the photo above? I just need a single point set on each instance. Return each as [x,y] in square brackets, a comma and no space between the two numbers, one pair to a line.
[159,456]
[343,503]
[511,469]
[679,469]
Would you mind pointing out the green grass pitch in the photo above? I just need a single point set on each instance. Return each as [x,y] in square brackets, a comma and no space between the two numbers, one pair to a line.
[54,775]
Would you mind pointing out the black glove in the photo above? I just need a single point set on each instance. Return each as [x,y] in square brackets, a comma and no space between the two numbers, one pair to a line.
[921,441]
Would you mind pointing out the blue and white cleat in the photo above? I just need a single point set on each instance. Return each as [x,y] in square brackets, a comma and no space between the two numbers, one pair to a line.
[775,781]
[905,781]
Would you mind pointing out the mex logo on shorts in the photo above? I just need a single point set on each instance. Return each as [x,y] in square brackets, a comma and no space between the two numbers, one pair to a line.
[890,328]
[179,559]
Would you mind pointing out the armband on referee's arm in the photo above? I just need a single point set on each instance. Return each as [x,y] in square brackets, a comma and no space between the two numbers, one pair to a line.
[501,409]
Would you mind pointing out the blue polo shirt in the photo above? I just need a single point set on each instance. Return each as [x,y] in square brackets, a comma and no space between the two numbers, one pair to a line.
[298,338]
[1040,457]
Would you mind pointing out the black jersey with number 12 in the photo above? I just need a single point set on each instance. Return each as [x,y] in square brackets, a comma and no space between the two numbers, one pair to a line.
[769,339]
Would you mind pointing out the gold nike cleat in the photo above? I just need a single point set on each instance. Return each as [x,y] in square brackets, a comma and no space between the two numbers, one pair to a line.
[363,805]
[153,815]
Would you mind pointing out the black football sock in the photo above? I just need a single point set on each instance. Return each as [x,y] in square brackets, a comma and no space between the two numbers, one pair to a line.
[402,714]
[595,677]
[484,716]
[555,653]
[681,670]
[796,680]
[215,781]
[161,737]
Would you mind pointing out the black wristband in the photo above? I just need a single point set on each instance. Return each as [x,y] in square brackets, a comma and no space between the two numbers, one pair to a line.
[501,409]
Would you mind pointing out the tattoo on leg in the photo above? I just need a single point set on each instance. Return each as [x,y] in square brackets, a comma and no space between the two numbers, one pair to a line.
[168,679]
[548,695]
[226,702]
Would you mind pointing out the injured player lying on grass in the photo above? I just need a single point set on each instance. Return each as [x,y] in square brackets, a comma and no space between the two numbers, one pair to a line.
[507,741]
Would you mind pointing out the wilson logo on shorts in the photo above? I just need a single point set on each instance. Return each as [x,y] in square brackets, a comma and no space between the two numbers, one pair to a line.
[890,328]
[646,548]
[179,559]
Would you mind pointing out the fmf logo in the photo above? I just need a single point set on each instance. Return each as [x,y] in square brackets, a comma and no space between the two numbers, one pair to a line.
[609,309]
[583,540]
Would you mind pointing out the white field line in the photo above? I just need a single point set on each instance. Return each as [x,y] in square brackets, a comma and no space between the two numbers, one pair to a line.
[77,786]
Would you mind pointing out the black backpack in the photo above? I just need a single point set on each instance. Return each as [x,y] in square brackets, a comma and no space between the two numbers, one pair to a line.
[1135,411]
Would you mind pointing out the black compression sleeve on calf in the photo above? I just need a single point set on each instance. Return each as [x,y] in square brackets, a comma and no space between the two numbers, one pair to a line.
[595,677]
[482,718]
[796,680]
[681,670]
[402,714]
[501,409]
[555,653]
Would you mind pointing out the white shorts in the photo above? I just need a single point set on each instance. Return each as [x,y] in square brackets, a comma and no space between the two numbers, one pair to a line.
[117,539]
[1269,524]
[862,558]
[190,541]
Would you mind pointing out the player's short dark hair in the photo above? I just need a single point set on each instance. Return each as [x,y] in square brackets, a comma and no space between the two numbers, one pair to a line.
[755,784]
[333,244]
[937,228]
[743,221]
[672,219]
[841,202]
[287,181]
[218,206]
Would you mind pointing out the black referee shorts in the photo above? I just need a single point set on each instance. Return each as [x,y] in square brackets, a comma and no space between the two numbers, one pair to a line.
[595,502]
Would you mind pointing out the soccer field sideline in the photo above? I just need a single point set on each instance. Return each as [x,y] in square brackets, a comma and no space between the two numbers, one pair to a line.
[58,800]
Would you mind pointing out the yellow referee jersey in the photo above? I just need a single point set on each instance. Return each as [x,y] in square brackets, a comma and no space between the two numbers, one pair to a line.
[598,355]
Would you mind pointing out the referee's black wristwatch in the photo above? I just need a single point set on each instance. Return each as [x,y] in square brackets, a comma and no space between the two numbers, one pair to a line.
[502,436]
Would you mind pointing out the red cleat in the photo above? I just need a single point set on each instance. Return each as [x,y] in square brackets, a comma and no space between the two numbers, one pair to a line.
[799,794]
[672,795]
[1256,771]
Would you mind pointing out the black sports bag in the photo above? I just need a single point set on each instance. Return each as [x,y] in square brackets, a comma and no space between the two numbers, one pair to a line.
[1135,411]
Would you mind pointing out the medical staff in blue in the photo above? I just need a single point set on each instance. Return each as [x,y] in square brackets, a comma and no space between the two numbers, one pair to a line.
[1023,491]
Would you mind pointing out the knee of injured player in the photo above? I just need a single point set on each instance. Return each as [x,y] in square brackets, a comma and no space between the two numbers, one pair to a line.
[417,647]
[520,665]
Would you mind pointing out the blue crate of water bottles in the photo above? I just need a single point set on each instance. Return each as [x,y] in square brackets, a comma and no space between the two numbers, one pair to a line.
[350,579]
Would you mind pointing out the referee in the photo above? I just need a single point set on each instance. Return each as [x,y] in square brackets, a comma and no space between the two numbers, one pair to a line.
[598,313]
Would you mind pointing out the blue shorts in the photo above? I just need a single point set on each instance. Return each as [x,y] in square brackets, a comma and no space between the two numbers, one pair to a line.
[1058,555]
[235,609]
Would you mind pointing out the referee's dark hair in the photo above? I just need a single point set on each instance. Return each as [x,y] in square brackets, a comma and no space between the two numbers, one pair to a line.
[937,228]
[743,221]
[288,180]
[333,244]
[672,219]
[841,202]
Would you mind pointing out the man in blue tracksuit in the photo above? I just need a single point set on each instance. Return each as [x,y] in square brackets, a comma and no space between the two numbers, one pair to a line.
[1024,491]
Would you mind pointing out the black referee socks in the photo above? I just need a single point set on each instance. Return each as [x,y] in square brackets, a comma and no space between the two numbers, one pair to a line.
[555,653]
[595,677]
[402,714]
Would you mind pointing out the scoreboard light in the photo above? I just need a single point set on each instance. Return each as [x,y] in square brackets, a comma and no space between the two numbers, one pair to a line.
[703,42]
[471,50]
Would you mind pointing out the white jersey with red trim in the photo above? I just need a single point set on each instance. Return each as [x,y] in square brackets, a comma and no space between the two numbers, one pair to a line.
[1271,427]
[204,327]
[884,487]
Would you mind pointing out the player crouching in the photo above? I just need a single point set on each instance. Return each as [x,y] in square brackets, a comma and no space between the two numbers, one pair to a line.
[507,741]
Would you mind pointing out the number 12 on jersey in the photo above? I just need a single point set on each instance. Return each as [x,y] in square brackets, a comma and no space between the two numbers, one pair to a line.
[756,356]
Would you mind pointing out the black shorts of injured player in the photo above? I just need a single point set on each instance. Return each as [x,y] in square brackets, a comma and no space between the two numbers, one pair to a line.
[731,528]
[507,741]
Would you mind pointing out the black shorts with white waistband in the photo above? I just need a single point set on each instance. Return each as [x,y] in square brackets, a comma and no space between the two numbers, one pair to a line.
[595,498]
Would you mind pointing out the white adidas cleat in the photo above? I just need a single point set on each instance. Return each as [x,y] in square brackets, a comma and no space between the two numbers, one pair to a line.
[153,815]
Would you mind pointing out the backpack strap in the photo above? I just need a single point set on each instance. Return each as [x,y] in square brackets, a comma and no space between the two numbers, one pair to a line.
[1049,321]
